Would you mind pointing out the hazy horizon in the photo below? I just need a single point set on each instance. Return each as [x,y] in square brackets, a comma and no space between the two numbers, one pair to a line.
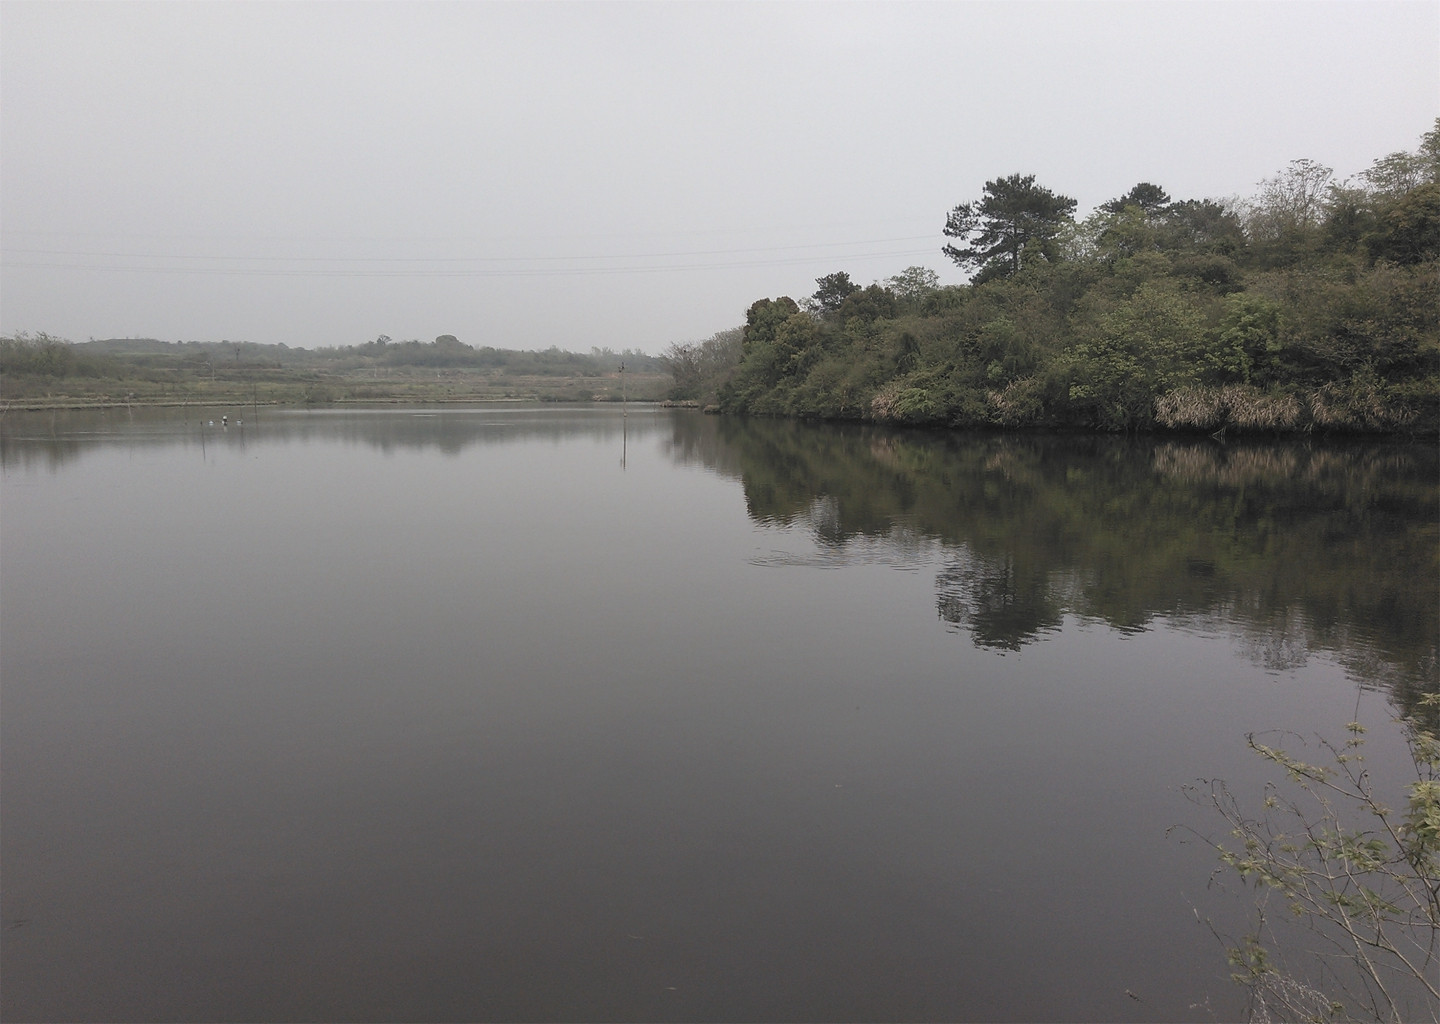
[618,175]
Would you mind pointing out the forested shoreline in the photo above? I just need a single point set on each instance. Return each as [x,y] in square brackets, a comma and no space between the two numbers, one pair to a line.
[1311,306]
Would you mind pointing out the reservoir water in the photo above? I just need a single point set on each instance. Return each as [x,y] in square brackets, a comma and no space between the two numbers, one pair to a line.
[549,713]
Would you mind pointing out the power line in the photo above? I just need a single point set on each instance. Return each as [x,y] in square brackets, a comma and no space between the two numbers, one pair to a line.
[475,272]
[464,259]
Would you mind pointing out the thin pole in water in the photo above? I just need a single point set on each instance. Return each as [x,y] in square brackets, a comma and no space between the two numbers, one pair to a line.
[624,419]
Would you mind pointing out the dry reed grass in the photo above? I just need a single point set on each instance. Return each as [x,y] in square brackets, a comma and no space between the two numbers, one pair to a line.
[1020,402]
[1358,404]
[1232,406]
[882,406]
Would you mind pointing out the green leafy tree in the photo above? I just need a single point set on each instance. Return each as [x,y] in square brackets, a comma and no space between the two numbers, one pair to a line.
[1013,217]
[907,352]
[1004,350]
[1291,203]
[42,355]
[1393,175]
[1429,152]
[832,292]
[751,388]
[798,343]
[1203,225]
[1149,199]
[868,304]
[1124,232]
[913,284]
[1410,230]
[1248,340]
[1365,209]
[1151,343]
[763,317]
[1130,224]
[1350,216]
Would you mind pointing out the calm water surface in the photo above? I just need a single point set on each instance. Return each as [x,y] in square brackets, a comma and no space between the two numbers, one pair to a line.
[535,713]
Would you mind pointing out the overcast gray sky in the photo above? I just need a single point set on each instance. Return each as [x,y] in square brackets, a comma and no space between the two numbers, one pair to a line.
[621,175]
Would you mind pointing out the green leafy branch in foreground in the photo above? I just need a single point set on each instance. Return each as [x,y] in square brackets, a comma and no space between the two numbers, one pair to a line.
[1358,875]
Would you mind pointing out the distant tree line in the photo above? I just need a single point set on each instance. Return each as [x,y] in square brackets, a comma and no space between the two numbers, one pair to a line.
[1311,306]
[44,355]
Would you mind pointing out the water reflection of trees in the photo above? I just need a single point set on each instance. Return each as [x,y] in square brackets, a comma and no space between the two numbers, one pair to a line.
[1290,548]
[1002,605]
[55,437]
